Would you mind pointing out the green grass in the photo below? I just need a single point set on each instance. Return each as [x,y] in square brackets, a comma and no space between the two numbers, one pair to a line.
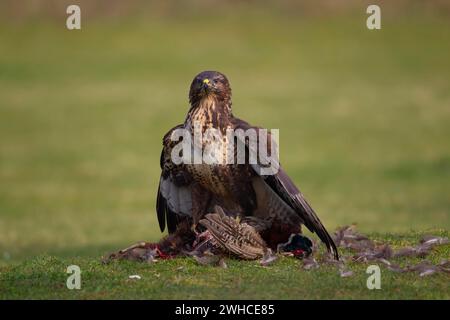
[44,277]
[364,126]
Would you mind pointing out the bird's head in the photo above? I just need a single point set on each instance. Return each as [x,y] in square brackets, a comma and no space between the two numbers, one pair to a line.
[210,84]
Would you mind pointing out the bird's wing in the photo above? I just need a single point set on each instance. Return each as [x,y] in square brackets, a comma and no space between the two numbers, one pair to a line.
[285,189]
[174,192]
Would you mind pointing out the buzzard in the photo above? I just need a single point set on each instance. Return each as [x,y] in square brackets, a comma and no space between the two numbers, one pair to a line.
[188,191]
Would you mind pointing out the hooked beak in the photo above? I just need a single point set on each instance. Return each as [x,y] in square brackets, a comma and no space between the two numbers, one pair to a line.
[206,85]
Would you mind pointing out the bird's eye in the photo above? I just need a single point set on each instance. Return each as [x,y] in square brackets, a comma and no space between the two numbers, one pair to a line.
[215,81]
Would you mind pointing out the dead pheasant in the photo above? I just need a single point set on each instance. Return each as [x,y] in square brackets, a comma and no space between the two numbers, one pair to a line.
[232,235]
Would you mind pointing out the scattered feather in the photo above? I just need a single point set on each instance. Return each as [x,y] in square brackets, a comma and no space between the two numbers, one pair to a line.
[405,252]
[427,272]
[222,264]
[345,273]
[150,256]
[396,268]
[433,240]
[207,260]
[268,258]
[310,263]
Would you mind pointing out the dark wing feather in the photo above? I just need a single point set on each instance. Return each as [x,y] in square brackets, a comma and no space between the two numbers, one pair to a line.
[174,195]
[285,188]
[160,201]
[161,209]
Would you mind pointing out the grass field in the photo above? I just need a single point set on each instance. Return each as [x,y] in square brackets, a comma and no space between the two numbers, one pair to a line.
[364,120]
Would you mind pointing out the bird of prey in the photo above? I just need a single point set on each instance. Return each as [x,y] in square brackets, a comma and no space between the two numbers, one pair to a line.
[188,191]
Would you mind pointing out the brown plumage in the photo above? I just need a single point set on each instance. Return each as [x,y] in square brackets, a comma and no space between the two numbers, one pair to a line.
[188,191]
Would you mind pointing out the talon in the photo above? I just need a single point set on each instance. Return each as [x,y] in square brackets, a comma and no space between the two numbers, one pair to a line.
[193,229]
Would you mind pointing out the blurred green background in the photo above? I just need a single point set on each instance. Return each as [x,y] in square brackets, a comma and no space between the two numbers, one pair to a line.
[364,116]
